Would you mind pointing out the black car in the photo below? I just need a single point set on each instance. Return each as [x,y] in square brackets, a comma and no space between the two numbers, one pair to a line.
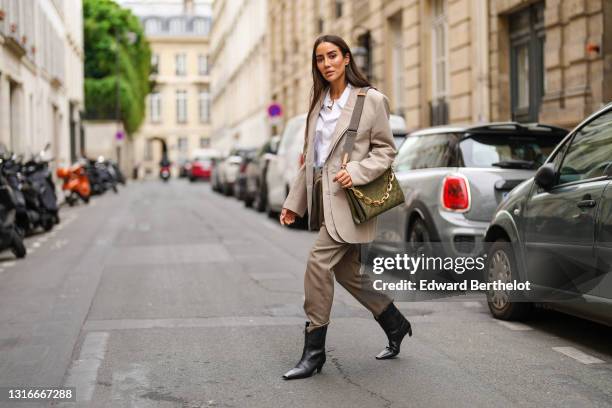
[554,231]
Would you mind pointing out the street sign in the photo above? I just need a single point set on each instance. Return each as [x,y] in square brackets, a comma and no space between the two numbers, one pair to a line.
[275,110]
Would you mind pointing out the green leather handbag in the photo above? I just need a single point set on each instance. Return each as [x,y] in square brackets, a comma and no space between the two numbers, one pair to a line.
[381,194]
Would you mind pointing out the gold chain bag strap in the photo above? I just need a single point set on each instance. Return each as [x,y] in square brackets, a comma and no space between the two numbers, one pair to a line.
[379,195]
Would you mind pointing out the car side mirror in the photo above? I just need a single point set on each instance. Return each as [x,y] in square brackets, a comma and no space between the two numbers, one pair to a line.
[545,176]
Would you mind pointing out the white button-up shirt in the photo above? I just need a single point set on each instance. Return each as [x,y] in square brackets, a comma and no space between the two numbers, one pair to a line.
[326,124]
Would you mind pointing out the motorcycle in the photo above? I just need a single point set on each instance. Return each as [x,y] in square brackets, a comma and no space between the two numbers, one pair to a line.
[39,190]
[164,170]
[34,191]
[10,236]
[76,183]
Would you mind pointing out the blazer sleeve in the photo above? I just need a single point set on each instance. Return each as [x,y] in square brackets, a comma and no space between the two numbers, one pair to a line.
[382,149]
[296,200]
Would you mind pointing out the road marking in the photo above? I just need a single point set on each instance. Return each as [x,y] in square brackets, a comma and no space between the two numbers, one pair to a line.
[576,354]
[83,372]
[515,326]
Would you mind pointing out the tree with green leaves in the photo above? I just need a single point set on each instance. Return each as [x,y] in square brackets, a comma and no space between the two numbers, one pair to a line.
[117,58]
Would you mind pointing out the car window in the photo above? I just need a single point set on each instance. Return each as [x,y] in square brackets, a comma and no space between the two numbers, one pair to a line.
[425,151]
[507,151]
[590,153]
[290,133]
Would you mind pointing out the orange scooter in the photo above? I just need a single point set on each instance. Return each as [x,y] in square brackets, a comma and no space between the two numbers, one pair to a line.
[76,183]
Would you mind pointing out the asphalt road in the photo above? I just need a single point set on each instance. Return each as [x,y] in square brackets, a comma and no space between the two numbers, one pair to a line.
[170,295]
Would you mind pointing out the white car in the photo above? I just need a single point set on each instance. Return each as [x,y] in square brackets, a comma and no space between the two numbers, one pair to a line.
[285,164]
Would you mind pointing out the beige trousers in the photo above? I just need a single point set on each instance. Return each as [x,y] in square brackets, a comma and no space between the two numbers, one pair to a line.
[329,259]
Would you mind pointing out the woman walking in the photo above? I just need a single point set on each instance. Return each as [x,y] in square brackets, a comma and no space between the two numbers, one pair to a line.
[318,188]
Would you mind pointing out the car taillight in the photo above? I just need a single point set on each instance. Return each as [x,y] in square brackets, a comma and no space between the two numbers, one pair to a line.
[455,193]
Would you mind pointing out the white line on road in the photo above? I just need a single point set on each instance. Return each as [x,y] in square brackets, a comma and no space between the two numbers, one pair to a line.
[84,372]
[576,354]
[515,326]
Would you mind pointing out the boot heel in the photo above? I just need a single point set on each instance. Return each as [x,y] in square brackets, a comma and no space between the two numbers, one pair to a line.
[409,330]
[319,368]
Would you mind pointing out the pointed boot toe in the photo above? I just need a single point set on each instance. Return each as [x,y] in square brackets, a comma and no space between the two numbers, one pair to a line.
[313,355]
[395,326]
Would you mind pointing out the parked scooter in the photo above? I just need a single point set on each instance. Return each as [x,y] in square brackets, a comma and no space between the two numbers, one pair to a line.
[40,189]
[34,191]
[10,237]
[76,183]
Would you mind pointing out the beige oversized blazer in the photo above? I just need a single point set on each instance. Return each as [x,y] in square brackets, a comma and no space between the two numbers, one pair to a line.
[373,153]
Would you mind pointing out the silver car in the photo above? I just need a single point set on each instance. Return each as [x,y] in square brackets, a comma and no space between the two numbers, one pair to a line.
[453,179]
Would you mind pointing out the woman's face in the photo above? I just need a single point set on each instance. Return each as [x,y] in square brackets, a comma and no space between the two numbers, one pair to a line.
[330,61]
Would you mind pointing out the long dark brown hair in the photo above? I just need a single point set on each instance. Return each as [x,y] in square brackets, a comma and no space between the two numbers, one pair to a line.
[319,84]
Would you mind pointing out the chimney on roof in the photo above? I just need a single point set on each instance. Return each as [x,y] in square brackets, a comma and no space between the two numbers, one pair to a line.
[188,6]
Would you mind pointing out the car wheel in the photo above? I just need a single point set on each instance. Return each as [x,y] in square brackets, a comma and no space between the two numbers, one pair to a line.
[419,237]
[18,248]
[501,266]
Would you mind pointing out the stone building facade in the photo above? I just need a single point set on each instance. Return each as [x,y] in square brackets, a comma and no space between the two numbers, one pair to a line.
[240,74]
[41,77]
[456,61]
[179,106]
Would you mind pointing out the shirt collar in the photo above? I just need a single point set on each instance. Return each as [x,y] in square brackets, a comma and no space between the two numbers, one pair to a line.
[343,98]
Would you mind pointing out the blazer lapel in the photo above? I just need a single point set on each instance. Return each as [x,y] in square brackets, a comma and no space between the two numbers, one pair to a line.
[312,128]
[344,120]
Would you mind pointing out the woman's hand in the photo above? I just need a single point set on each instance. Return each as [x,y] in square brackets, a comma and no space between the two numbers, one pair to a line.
[287,216]
[344,178]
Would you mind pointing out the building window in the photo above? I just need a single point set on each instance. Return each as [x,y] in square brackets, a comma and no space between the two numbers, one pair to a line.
[439,52]
[338,8]
[397,62]
[153,26]
[527,38]
[203,67]
[148,153]
[181,64]
[155,64]
[181,106]
[201,26]
[204,103]
[177,26]
[183,146]
[155,107]
[204,142]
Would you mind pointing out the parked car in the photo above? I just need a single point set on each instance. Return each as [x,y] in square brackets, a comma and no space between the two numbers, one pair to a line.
[256,170]
[240,186]
[555,230]
[229,169]
[284,166]
[453,178]
[215,174]
[184,166]
[200,166]
[399,129]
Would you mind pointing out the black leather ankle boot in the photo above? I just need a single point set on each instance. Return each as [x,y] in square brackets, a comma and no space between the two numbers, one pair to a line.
[396,327]
[313,356]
